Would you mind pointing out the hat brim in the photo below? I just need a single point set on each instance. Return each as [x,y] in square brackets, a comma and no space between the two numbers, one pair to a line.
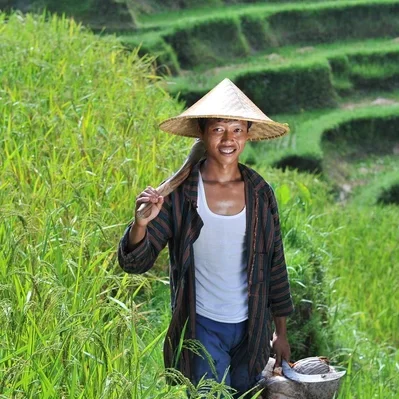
[188,126]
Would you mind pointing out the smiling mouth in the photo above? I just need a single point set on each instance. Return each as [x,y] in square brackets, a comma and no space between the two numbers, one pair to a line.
[227,150]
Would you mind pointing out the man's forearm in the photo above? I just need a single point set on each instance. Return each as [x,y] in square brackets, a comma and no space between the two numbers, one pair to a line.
[281,346]
[281,325]
[136,235]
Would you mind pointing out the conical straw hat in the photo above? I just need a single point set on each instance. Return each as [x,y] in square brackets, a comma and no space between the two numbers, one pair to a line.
[225,101]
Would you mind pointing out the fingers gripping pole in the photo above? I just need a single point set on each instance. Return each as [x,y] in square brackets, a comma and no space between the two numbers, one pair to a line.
[197,152]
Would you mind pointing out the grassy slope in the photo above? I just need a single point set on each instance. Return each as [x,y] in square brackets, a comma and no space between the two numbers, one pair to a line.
[79,138]
[358,251]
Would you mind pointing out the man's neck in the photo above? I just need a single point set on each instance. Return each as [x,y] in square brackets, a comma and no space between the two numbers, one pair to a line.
[215,172]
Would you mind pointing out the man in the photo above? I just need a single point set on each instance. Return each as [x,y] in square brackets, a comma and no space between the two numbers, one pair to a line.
[228,276]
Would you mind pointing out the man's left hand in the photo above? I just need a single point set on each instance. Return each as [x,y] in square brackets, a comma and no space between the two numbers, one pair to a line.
[281,348]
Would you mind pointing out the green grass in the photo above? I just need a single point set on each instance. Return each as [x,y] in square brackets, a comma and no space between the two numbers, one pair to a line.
[357,249]
[78,137]
[79,140]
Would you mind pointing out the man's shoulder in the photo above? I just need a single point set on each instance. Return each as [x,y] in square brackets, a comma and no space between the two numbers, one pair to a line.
[257,180]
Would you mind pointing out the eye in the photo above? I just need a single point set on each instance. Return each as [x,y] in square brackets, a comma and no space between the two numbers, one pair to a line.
[217,129]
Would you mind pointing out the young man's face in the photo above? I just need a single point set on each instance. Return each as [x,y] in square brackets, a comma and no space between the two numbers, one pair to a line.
[225,139]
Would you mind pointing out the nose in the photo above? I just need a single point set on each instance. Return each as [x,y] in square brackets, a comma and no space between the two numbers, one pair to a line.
[228,135]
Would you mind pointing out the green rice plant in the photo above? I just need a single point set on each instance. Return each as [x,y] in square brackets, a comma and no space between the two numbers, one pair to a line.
[356,249]
[166,62]
[367,333]
[79,140]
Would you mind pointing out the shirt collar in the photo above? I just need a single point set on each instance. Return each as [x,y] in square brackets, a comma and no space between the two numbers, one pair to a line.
[190,185]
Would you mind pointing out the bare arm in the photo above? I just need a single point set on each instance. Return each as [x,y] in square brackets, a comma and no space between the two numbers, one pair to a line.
[136,235]
[281,345]
[281,325]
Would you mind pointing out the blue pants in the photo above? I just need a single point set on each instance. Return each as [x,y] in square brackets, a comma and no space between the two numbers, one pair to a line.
[227,345]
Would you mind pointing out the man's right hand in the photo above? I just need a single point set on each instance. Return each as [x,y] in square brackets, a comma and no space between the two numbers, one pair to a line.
[148,196]
[139,227]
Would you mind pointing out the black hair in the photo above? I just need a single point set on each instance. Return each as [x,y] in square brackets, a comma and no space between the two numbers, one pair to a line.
[202,123]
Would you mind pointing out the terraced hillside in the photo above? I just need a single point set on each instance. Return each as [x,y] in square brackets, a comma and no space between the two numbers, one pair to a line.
[303,62]
[312,64]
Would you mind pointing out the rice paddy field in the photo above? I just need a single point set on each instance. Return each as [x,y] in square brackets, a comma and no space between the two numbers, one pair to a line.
[79,140]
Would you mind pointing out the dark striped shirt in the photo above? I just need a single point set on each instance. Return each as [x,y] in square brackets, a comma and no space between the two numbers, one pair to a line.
[178,225]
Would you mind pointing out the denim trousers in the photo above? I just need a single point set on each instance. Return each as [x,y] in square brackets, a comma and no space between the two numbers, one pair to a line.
[227,345]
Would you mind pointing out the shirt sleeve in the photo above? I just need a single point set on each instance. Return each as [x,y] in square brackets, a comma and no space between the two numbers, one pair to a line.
[145,253]
[280,293]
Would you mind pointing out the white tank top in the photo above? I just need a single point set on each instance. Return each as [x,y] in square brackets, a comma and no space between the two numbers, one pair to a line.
[220,264]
